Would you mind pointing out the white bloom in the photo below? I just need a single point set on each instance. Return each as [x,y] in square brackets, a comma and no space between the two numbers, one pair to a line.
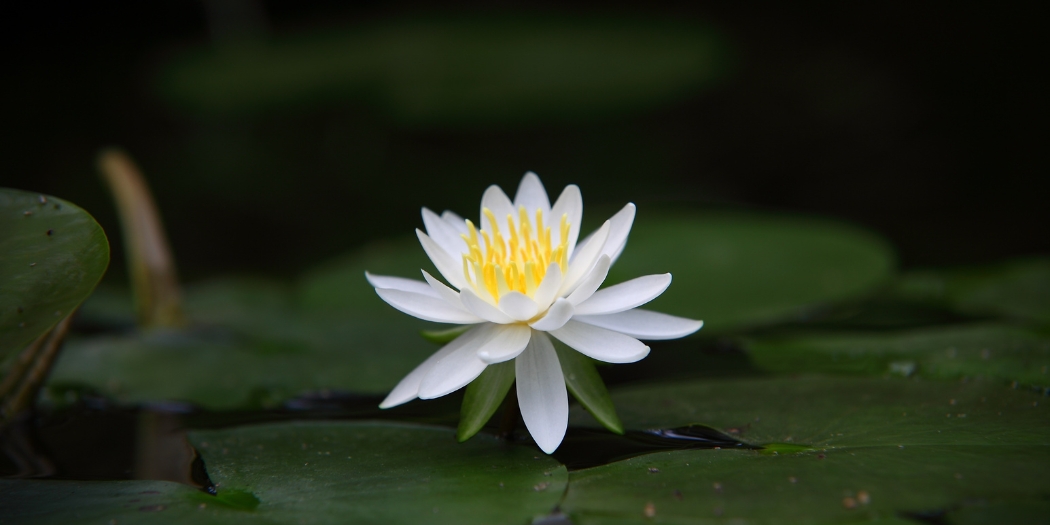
[518,278]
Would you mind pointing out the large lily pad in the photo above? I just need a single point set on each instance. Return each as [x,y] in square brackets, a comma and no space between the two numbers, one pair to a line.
[1016,290]
[740,270]
[318,473]
[1007,353]
[879,449]
[52,254]
[469,69]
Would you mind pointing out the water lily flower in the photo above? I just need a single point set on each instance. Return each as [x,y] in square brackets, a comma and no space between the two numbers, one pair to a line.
[517,277]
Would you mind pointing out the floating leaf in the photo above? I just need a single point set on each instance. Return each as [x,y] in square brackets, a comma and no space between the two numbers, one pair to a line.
[882,448]
[1015,290]
[483,398]
[478,69]
[740,270]
[323,472]
[1000,352]
[52,254]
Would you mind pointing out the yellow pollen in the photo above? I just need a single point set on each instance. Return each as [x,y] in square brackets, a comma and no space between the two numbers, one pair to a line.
[494,265]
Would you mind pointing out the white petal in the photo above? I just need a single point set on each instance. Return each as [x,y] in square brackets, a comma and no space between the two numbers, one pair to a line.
[451,269]
[556,317]
[644,324]
[518,306]
[583,262]
[453,219]
[601,344]
[542,397]
[447,294]
[497,201]
[506,345]
[625,296]
[443,234]
[459,366]
[621,228]
[532,196]
[399,283]
[426,307]
[569,203]
[591,282]
[483,308]
[547,291]
[408,388]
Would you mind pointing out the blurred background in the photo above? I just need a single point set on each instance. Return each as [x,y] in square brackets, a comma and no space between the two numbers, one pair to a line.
[278,133]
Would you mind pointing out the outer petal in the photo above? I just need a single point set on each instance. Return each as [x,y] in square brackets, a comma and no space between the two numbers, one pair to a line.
[510,340]
[426,307]
[518,306]
[497,201]
[547,291]
[570,203]
[446,294]
[532,195]
[459,366]
[591,282]
[585,258]
[443,233]
[408,388]
[483,308]
[621,227]
[644,324]
[542,397]
[453,219]
[399,283]
[556,317]
[626,295]
[601,344]
[451,269]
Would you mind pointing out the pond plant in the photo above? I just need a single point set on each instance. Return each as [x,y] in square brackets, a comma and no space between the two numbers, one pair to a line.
[825,387]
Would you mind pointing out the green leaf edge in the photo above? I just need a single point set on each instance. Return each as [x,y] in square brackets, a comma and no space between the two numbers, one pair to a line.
[583,381]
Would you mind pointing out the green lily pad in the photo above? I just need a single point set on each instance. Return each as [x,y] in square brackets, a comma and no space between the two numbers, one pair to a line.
[740,270]
[52,254]
[879,449]
[1016,290]
[319,472]
[1009,354]
[477,69]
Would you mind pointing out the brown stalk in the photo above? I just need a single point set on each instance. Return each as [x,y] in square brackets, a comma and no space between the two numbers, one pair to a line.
[154,281]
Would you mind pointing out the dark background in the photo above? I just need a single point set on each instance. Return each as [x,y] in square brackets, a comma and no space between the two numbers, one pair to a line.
[924,123]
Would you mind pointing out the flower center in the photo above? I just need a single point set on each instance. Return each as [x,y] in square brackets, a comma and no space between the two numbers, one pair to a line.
[496,264]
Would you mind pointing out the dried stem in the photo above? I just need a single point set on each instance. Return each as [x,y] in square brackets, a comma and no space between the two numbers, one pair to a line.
[158,300]
[23,396]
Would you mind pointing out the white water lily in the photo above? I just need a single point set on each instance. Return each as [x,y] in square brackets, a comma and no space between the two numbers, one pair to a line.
[519,278]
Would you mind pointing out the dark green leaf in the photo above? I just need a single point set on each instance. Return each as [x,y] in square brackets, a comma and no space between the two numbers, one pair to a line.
[318,472]
[587,387]
[849,450]
[999,352]
[739,270]
[483,398]
[52,254]
[1016,290]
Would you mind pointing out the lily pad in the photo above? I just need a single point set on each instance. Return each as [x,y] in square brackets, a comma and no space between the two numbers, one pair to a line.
[879,449]
[1016,290]
[1007,353]
[477,69]
[741,270]
[52,254]
[320,472]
